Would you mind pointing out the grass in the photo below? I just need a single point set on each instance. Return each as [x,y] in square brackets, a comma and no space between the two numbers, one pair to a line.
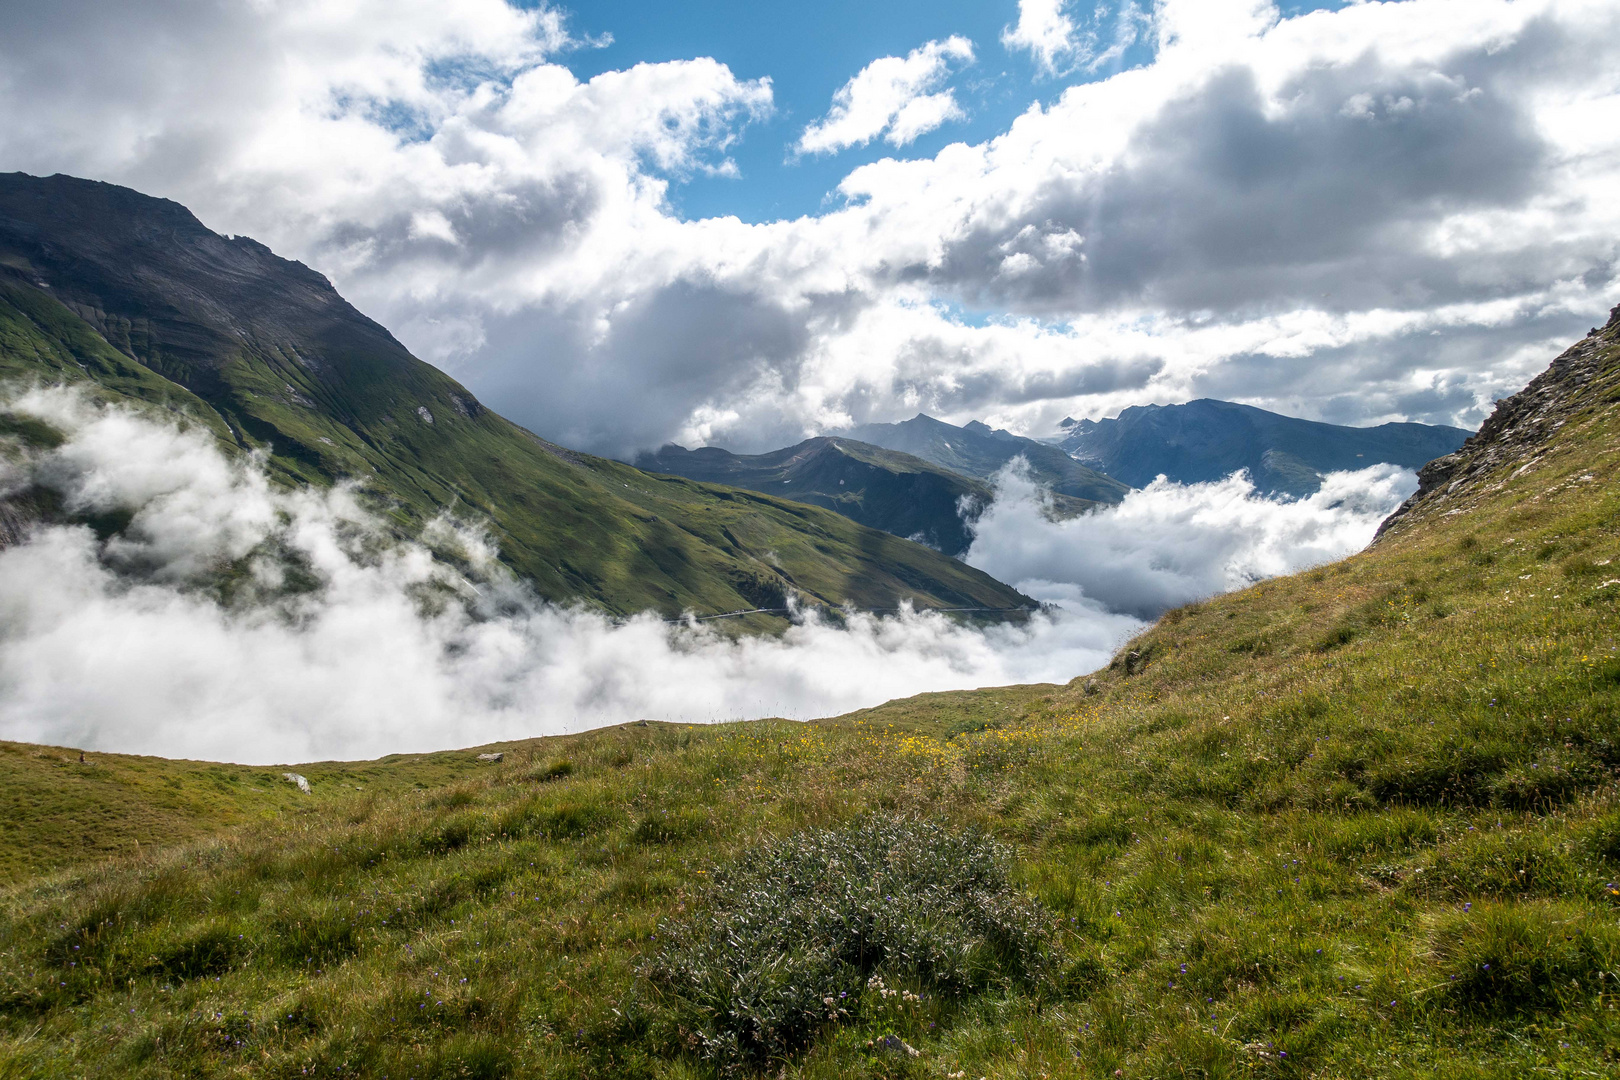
[1385,842]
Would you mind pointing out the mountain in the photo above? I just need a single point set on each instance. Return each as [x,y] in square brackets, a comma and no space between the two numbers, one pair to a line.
[1360,821]
[99,283]
[978,450]
[1207,440]
[883,489]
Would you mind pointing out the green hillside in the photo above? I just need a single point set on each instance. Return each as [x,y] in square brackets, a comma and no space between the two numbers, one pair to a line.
[103,284]
[1359,822]
[884,489]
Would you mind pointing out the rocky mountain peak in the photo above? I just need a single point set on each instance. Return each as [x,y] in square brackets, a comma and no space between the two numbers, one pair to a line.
[1518,430]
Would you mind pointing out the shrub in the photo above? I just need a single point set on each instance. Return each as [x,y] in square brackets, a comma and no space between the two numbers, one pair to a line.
[795,932]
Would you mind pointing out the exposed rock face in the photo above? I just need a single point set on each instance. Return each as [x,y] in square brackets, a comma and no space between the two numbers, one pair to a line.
[13,524]
[167,291]
[1517,432]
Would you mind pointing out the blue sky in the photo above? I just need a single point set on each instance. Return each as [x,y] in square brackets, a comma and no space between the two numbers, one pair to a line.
[810,50]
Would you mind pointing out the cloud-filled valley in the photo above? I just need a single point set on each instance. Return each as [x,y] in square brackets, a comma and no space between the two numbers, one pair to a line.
[233,619]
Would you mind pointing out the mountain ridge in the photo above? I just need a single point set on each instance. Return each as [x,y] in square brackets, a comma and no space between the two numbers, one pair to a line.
[1208,439]
[100,284]
[979,451]
[883,489]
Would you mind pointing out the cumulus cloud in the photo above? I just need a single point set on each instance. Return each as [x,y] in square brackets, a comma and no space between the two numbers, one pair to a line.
[1382,211]
[897,98]
[234,620]
[1057,43]
[1169,544]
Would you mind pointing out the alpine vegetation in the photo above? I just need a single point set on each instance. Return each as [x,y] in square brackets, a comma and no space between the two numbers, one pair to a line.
[887,920]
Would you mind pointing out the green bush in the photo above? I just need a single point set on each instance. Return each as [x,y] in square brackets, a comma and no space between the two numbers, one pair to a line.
[797,931]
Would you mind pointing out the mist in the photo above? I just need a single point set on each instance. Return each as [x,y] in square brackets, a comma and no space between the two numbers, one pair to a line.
[232,619]
[1169,544]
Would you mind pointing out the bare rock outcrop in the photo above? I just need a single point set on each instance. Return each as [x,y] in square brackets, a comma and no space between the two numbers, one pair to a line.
[1517,433]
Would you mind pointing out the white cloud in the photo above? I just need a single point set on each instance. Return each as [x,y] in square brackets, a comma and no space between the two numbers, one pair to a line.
[1044,30]
[1170,544]
[235,620]
[1058,44]
[898,98]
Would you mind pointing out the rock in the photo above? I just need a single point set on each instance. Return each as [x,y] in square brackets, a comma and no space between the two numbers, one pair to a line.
[893,1044]
[294,778]
[492,757]
[1093,687]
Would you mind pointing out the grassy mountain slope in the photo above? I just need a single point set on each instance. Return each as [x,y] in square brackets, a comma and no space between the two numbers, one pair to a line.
[884,489]
[1363,821]
[979,451]
[101,283]
[1208,440]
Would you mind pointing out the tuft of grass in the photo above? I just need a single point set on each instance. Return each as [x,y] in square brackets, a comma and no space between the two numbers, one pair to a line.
[1501,959]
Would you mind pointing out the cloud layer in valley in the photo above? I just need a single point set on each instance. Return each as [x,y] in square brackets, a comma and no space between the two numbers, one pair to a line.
[235,620]
[1169,544]
[1375,211]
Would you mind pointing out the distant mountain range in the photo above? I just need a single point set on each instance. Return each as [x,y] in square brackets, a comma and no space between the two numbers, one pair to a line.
[979,451]
[1206,440]
[908,478]
[898,493]
[102,285]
